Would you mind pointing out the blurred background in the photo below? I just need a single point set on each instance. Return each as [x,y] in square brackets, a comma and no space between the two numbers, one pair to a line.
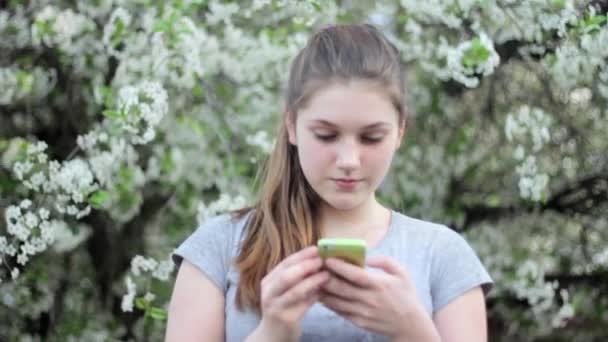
[125,124]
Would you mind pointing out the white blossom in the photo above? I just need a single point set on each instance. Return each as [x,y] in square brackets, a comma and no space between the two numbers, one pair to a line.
[163,270]
[143,106]
[120,18]
[25,204]
[223,204]
[140,263]
[15,223]
[127,300]
[64,29]
[532,183]
[149,297]
[63,238]
[221,12]
[466,74]
[566,311]
[261,140]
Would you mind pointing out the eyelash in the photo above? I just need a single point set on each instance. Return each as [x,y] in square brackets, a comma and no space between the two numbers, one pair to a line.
[330,138]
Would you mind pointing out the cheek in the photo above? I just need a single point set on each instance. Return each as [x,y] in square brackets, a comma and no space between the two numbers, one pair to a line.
[380,158]
[315,157]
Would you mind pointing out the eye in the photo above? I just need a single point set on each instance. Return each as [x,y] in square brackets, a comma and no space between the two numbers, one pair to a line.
[326,137]
[372,139]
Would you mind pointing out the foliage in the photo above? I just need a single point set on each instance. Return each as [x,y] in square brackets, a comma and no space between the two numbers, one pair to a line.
[127,123]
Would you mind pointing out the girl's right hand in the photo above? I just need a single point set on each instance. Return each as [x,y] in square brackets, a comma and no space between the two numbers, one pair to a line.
[288,291]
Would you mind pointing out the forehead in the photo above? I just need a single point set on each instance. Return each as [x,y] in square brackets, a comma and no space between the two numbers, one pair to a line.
[352,104]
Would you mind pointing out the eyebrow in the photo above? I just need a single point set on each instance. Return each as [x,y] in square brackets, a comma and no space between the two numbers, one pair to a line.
[374,125]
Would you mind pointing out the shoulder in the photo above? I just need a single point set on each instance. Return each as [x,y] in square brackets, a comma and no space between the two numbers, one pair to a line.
[217,235]
[418,229]
[227,225]
[437,240]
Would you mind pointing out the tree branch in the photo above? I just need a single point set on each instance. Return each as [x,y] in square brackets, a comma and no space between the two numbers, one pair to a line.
[579,197]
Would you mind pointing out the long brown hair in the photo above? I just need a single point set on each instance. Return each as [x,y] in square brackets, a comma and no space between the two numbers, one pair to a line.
[283,219]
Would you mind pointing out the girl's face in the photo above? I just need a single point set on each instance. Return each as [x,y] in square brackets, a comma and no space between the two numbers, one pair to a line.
[346,136]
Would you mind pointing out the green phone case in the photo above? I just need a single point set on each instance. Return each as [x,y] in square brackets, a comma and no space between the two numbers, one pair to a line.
[350,250]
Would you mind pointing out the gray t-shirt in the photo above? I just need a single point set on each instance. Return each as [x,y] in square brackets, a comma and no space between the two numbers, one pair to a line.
[440,262]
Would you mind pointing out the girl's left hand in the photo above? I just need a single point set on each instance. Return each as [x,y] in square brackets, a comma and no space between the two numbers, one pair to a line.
[383,302]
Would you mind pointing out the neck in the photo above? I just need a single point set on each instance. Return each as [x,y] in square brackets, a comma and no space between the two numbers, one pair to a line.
[369,222]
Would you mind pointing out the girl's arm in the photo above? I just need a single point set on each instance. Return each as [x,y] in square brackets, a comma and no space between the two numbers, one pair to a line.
[463,319]
[196,311]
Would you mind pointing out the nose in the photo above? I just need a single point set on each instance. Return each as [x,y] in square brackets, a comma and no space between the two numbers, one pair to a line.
[348,156]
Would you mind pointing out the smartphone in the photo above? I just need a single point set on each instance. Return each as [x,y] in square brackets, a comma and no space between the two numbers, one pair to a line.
[349,250]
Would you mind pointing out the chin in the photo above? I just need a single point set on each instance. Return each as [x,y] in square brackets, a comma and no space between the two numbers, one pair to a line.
[345,204]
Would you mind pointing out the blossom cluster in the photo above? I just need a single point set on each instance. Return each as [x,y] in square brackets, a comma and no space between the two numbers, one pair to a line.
[71,182]
[140,110]
[113,30]
[224,203]
[576,61]
[213,71]
[64,29]
[261,140]
[551,307]
[19,84]
[529,129]
[142,267]
[29,232]
[14,29]
[531,286]
[468,60]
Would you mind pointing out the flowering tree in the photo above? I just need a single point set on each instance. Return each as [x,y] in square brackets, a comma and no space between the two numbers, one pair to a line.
[124,123]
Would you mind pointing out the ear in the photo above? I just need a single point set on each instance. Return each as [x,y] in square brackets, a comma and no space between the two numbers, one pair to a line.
[400,135]
[291,127]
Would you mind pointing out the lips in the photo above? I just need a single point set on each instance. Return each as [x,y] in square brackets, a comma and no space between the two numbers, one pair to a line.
[346,183]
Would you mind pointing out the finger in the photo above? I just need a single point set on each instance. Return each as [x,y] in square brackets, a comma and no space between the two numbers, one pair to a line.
[360,321]
[303,254]
[338,287]
[340,305]
[355,274]
[306,290]
[387,264]
[289,277]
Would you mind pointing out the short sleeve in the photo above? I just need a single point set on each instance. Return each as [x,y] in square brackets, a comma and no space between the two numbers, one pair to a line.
[209,248]
[455,268]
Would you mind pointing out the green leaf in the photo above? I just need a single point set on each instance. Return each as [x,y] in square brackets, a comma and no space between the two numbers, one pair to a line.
[457,144]
[476,54]
[316,5]
[166,25]
[98,198]
[595,20]
[25,81]
[160,26]
[178,4]
[167,162]
[403,19]
[198,91]
[141,303]
[44,27]
[493,200]
[112,114]
[4,144]
[158,313]
[591,24]
[117,36]
[561,4]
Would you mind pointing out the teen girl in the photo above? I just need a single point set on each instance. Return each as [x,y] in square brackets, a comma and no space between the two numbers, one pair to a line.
[255,275]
